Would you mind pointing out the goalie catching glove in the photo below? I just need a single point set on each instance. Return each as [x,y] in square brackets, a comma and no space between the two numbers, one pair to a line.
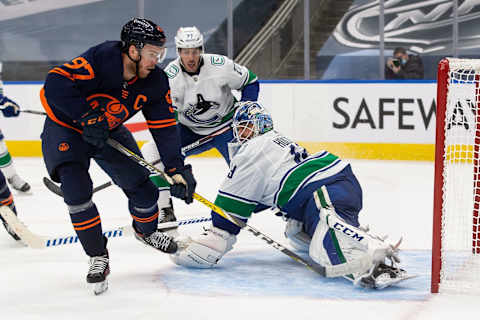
[184,184]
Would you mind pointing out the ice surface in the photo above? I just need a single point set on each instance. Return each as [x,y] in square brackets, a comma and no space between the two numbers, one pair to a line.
[254,281]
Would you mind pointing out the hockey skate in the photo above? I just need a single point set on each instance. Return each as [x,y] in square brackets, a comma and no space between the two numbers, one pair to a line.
[18,183]
[98,272]
[157,240]
[382,276]
[168,215]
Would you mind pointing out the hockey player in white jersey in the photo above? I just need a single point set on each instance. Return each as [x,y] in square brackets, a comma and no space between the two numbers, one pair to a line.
[318,194]
[201,92]
[9,109]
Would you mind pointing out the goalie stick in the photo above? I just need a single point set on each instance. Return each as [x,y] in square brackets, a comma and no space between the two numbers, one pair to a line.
[56,189]
[40,242]
[323,271]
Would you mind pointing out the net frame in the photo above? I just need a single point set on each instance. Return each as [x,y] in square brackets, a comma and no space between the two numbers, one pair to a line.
[456,224]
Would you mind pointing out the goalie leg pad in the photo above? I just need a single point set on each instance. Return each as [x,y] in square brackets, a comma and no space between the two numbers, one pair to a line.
[196,255]
[204,251]
[296,236]
[340,255]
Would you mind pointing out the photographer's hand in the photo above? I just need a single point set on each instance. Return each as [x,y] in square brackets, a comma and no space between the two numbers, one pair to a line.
[395,69]
[390,63]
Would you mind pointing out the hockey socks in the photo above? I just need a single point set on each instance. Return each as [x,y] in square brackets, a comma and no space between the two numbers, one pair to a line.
[6,199]
[87,224]
[5,159]
[145,220]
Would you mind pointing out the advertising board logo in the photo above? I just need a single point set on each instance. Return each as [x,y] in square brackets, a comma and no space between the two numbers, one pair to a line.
[422,26]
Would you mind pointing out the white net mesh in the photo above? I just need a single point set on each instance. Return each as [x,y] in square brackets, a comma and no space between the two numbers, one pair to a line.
[460,269]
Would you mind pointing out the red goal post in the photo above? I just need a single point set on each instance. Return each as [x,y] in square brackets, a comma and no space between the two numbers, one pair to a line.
[456,225]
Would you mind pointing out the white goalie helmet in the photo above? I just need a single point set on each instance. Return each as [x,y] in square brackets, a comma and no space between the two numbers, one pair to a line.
[250,120]
[188,37]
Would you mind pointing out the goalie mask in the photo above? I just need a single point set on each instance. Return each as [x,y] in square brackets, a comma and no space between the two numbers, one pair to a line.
[188,37]
[250,120]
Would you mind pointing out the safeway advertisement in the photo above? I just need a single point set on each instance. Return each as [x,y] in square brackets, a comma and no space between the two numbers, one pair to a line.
[306,111]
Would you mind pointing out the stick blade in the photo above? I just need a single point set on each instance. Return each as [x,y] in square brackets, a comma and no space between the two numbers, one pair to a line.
[26,236]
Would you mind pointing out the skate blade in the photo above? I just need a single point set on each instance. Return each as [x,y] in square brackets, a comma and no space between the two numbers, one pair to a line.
[393,282]
[100,287]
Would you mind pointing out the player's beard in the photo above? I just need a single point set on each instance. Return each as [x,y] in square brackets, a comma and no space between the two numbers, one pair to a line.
[143,71]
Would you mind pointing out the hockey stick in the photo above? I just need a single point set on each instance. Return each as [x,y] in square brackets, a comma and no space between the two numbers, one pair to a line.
[121,231]
[312,266]
[34,112]
[52,186]
[205,139]
[40,242]
[56,189]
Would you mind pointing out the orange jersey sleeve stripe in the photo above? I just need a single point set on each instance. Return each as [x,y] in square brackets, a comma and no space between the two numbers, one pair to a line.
[88,226]
[50,113]
[145,220]
[62,73]
[162,125]
[160,121]
[86,222]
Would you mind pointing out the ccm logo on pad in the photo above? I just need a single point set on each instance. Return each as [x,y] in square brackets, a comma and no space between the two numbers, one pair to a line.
[349,232]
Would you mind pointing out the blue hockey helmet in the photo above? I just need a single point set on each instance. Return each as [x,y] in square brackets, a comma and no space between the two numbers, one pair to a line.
[250,120]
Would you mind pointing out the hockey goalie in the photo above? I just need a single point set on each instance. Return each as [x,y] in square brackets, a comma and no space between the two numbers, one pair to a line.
[318,195]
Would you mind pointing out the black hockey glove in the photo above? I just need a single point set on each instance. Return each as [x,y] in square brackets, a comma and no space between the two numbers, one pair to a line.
[184,184]
[95,128]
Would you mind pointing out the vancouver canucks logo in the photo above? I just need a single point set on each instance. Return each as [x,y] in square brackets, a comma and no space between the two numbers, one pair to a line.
[194,112]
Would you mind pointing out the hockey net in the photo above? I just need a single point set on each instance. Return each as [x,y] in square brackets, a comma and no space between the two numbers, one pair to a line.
[456,222]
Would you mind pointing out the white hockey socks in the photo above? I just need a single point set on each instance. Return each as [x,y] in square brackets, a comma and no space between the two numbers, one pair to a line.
[6,164]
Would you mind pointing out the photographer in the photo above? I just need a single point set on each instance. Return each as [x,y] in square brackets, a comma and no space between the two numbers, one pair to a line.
[404,66]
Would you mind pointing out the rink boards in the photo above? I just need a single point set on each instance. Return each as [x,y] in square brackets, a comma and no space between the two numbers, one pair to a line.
[354,119]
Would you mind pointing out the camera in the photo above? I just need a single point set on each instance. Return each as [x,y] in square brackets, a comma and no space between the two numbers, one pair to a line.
[396,62]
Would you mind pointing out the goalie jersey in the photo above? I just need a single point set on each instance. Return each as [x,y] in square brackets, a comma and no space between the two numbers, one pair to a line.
[204,102]
[273,171]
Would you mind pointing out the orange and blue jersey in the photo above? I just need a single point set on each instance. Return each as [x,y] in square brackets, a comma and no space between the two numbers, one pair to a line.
[95,80]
